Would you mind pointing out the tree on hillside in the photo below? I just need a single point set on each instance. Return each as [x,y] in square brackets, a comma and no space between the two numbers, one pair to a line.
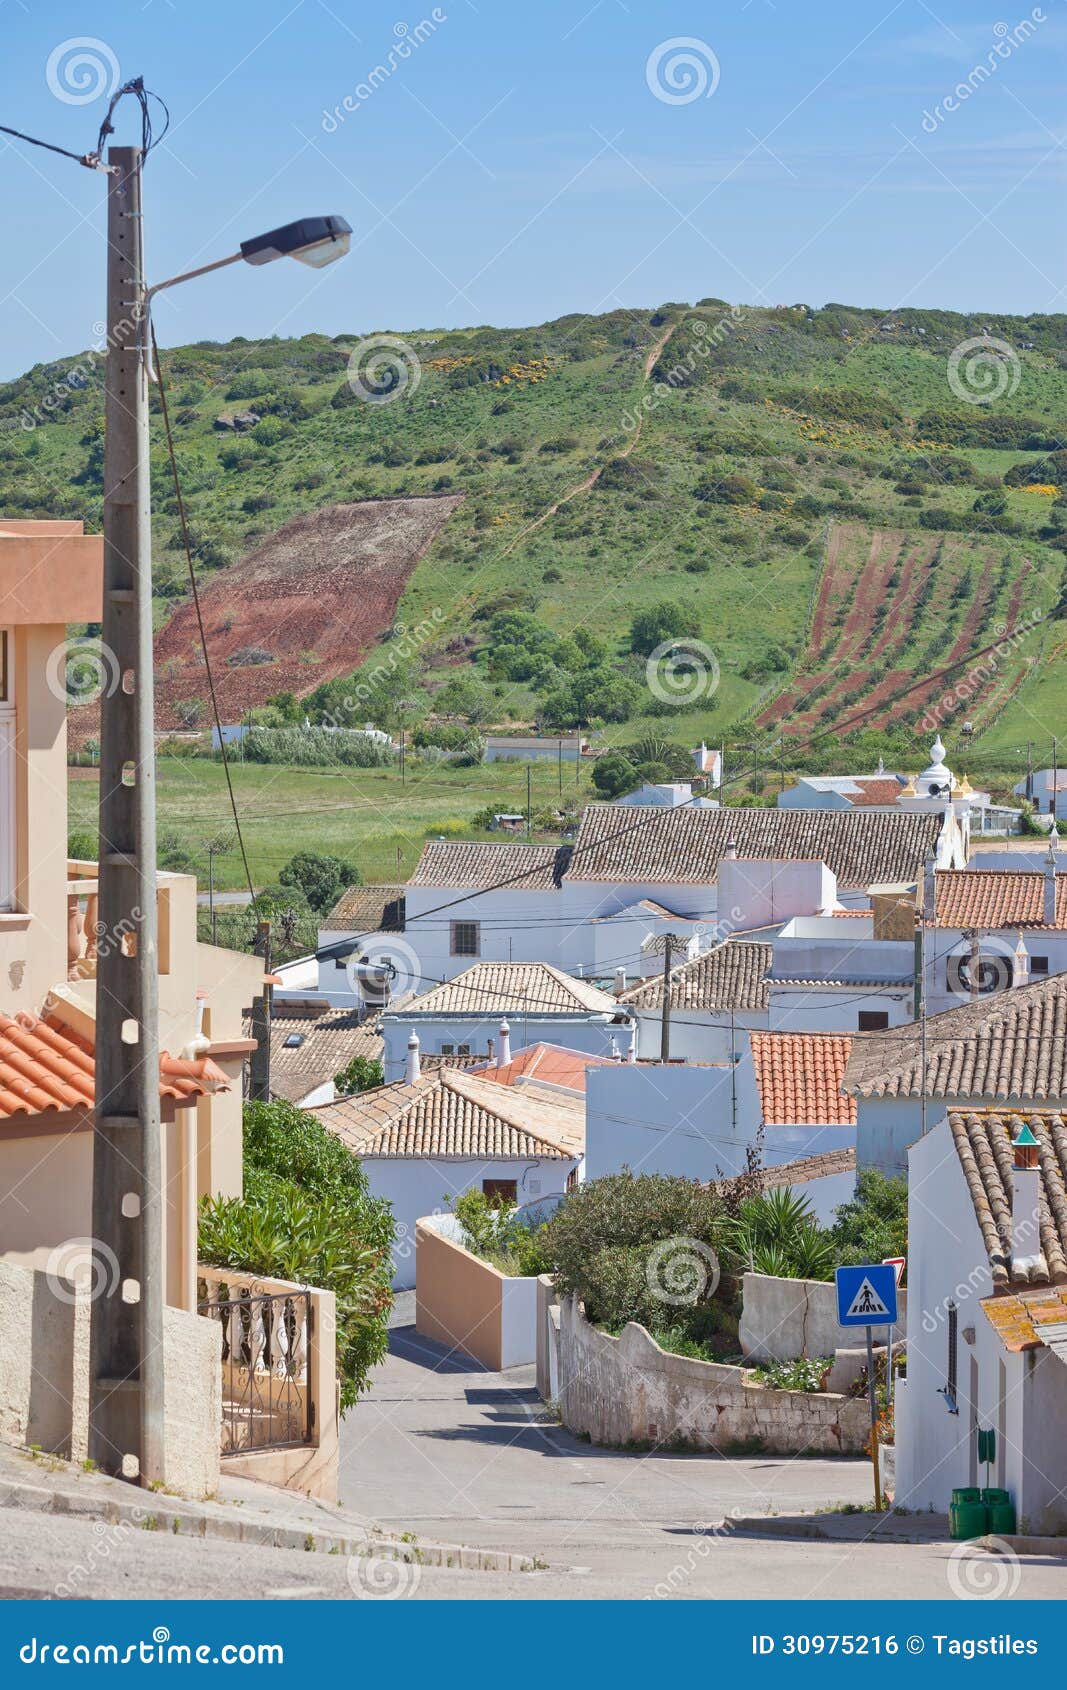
[614,774]
[660,622]
[321,879]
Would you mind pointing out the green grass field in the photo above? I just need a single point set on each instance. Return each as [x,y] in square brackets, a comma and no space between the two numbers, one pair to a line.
[365,815]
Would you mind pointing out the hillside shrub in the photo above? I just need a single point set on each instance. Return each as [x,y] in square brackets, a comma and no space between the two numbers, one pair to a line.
[873,1225]
[315,747]
[320,879]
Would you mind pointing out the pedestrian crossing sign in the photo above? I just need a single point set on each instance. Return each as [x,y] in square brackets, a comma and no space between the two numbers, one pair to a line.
[866,1296]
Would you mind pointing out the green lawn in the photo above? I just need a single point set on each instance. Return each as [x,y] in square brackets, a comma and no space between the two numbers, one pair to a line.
[366,815]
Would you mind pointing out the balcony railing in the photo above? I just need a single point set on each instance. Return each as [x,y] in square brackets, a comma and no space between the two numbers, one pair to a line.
[267,1399]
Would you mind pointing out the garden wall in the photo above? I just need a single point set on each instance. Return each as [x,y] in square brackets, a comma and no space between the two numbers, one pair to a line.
[627,1390]
[465,1303]
[782,1319]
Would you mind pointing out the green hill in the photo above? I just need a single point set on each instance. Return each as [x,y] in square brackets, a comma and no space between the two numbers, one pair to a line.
[705,457]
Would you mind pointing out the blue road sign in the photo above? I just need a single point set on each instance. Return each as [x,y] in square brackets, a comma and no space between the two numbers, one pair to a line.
[866,1296]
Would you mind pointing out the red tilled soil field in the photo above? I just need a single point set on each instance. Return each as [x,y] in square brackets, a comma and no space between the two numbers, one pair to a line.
[314,598]
[881,589]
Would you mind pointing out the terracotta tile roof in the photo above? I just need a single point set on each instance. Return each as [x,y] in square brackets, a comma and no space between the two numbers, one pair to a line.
[875,789]
[983,1143]
[799,1078]
[985,897]
[729,977]
[45,1065]
[450,1115]
[510,988]
[327,1043]
[806,1168]
[551,1065]
[469,867]
[1010,1045]
[684,846]
[1026,1320]
[367,909]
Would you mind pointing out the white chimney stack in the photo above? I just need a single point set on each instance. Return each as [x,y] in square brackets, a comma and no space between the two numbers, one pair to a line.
[504,1050]
[1020,969]
[413,1070]
[620,981]
[1049,911]
[631,1049]
[616,1055]
[1025,1201]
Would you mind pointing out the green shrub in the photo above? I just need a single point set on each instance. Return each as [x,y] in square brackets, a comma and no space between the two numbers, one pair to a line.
[307,1216]
[642,1248]
[776,1233]
[874,1224]
[494,1230]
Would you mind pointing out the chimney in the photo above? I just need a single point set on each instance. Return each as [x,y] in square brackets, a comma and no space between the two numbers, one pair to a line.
[730,853]
[413,1070]
[620,981]
[489,1048]
[504,1049]
[1025,1200]
[616,1055]
[631,1049]
[1020,967]
[1049,909]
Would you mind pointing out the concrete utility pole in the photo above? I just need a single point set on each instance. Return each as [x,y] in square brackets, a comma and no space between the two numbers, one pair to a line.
[126,1319]
[669,941]
[262,1014]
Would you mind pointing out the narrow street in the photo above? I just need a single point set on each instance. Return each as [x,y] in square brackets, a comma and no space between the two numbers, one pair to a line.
[446,1450]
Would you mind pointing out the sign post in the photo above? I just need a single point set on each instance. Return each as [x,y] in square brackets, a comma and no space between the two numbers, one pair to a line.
[867,1296]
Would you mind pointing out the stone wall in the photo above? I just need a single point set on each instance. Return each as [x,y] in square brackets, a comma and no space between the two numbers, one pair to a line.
[627,1390]
[782,1319]
[44,1378]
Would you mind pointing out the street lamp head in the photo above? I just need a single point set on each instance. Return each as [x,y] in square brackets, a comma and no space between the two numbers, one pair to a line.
[313,240]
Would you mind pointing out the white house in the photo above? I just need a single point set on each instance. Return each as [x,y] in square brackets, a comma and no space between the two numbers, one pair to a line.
[533,748]
[1003,1052]
[1047,788]
[427,1139]
[994,928]
[699,1121]
[630,877]
[471,1015]
[987,1312]
[666,795]
[713,1002]
[834,975]
[931,791]
[708,763]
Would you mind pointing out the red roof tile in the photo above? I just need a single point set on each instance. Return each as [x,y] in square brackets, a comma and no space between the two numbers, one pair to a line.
[799,1078]
[552,1065]
[45,1065]
[986,897]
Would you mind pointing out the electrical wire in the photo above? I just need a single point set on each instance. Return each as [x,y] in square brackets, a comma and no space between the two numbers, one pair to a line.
[94,160]
[183,523]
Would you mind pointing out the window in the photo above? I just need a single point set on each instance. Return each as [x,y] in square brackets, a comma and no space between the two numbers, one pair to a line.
[465,938]
[873,1020]
[292,1041]
[447,1049]
[463,1050]
[1039,965]
[503,1190]
[948,1390]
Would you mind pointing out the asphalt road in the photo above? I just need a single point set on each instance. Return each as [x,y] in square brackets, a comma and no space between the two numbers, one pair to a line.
[447,1451]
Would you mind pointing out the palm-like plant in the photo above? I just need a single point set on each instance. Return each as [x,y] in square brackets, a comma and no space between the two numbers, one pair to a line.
[777,1233]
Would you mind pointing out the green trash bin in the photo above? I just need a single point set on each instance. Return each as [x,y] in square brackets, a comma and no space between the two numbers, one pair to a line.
[1001,1511]
[968,1515]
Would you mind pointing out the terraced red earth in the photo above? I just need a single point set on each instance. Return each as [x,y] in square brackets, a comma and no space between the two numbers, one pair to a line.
[304,607]
[890,605]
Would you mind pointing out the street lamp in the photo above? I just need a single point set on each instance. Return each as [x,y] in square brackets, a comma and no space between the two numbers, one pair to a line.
[316,241]
[126,1399]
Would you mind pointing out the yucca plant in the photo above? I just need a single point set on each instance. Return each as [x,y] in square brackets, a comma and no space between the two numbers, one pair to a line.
[777,1233]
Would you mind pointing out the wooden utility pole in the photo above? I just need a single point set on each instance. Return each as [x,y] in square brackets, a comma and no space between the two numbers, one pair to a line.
[126,1419]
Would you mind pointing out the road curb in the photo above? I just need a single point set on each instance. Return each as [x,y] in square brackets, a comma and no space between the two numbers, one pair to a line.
[157,1515]
[768,1525]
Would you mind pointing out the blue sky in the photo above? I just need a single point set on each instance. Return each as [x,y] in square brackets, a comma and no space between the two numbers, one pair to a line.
[519,162]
